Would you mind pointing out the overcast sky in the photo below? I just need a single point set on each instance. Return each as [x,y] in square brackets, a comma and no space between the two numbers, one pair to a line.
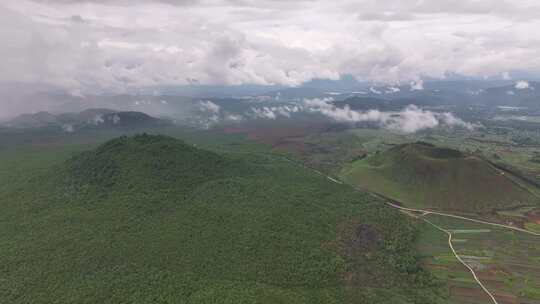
[99,44]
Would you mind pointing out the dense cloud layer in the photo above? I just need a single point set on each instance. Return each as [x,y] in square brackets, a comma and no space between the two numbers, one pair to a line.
[117,45]
[408,120]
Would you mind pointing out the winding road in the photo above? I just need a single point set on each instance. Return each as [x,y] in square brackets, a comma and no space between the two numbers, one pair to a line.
[461,260]
[463,218]
[427,212]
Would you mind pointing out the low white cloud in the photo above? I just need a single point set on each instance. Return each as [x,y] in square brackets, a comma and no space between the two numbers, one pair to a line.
[214,113]
[475,92]
[522,85]
[234,117]
[68,128]
[319,102]
[97,120]
[116,119]
[275,111]
[417,85]
[374,91]
[264,112]
[450,119]
[409,120]
[209,106]
[207,114]
[392,90]
[208,122]
[142,102]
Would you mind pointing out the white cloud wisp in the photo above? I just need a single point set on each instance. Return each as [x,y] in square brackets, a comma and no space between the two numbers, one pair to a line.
[409,120]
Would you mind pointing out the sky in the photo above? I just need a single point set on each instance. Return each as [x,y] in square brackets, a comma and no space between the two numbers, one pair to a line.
[118,45]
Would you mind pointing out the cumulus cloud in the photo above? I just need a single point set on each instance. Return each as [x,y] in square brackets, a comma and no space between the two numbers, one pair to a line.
[319,102]
[391,90]
[68,128]
[234,117]
[275,111]
[417,85]
[522,85]
[97,120]
[264,112]
[450,120]
[412,119]
[374,90]
[84,46]
[115,119]
[409,120]
[209,106]
[207,114]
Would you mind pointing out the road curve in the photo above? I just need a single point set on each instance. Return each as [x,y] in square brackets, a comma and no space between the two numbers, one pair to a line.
[463,218]
[337,181]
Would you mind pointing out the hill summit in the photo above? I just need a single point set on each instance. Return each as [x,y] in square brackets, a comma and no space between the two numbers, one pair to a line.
[146,162]
[423,175]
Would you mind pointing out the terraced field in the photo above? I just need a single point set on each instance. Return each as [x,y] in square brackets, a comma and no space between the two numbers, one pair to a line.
[507,262]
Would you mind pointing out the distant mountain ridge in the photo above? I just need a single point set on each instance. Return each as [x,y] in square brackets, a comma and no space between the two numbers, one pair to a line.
[90,118]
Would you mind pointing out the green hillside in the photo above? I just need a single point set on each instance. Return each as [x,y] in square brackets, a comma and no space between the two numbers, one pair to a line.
[423,175]
[150,219]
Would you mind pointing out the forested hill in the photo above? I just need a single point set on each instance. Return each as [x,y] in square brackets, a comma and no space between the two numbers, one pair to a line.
[151,219]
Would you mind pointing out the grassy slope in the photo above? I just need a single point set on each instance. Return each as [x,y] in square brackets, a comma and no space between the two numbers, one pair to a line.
[152,220]
[426,176]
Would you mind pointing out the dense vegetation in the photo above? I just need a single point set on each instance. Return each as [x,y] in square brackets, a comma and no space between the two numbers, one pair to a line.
[150,219]
[422,174]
